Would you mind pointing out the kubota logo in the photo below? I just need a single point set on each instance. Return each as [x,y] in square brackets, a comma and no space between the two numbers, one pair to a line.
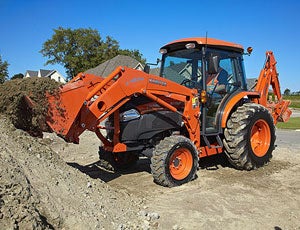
[157,82]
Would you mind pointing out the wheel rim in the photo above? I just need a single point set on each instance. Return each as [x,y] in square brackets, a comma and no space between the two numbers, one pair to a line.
[181,163]
[260,138]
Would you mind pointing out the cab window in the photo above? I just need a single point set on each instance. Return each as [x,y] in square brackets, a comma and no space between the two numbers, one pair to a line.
[183,67]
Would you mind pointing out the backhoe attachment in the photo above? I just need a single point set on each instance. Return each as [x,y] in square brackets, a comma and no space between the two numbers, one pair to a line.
[269,77]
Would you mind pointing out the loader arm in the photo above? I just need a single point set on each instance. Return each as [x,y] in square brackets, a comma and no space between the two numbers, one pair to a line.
[106,97]
[269,77]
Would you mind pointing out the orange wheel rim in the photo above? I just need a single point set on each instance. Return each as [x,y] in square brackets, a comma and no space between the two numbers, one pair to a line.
[260,138]
[181,163]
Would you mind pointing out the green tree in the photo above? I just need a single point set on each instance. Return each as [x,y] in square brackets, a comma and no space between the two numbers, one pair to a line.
[287,92]
[134,54]
[16,76]
[3,70]
[81,49]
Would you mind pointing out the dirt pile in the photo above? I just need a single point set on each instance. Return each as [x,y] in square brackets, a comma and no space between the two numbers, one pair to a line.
[38,190]
[17,201]
[15,104]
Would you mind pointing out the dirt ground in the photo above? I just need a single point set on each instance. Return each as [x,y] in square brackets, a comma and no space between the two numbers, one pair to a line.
[39,190]
[49,184]
[220,198]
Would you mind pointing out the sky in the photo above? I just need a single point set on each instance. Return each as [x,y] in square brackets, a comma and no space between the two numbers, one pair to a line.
[148,25]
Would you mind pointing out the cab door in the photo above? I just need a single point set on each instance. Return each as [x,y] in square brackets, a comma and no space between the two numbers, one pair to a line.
[223,77]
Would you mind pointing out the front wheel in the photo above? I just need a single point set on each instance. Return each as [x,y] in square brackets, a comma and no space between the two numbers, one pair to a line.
[249,137]
[174,161]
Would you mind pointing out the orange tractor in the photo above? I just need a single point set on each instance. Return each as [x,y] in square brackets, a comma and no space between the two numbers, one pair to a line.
[199,106]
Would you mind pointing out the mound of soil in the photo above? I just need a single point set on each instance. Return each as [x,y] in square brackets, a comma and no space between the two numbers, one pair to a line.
[25,102]
[38,190]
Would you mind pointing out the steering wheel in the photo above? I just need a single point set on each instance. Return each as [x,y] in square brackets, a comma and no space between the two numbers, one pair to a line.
[185,82]
[189,83]
[230,85]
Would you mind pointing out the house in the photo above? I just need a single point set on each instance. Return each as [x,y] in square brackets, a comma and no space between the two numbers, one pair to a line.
[155,71]
[52,74]
[105,68]
[251,83]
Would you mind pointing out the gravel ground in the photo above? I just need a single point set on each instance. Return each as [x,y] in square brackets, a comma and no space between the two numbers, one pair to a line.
[39,190]
[221,197]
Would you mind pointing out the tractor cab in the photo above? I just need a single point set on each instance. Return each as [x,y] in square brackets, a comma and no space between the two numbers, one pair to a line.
[211,66]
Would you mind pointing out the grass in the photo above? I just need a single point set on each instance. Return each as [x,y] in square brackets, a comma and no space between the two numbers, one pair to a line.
[293,123]
[295,99]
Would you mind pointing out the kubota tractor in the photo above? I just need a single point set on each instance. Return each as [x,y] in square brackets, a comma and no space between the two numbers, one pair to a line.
[200,105]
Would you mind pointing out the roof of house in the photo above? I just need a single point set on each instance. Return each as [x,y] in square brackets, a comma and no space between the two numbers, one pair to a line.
[45,72]
[105,68]
[172,75]
[155,71]
[32,73]
[178,67]
[251,83]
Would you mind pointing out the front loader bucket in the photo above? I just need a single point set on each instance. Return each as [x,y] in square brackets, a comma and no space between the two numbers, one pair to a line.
[64,107]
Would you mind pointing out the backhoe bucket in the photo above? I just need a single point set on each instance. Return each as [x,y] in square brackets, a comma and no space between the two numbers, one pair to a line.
[64,107]
[284,112]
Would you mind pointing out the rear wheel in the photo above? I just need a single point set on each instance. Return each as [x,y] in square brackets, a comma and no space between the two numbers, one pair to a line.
[117,161]
[174,161]
[249,137]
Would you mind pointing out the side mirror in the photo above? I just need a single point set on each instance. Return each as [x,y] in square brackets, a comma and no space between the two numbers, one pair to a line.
[147,68]
[213,64]
[249,51]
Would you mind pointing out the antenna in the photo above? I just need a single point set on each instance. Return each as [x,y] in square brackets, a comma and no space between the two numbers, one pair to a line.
[204,48]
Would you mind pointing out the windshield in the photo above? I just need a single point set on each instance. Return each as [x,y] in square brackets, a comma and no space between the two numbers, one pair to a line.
[183,67]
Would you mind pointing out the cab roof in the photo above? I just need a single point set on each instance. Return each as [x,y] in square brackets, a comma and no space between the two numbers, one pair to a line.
[200,41]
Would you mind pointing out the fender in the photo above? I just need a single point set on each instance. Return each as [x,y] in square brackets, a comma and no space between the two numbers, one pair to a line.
[233,101]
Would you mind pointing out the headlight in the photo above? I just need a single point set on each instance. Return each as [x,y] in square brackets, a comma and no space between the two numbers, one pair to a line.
[163,51]
[190,45]
[129,115]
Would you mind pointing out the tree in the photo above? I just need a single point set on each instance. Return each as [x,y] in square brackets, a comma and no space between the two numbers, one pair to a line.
[3,71]
[81,49]
[134,54]
[16,76]
[287,92]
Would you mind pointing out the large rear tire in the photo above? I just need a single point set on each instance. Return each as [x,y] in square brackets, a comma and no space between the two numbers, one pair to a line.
[249,137]
[174,161]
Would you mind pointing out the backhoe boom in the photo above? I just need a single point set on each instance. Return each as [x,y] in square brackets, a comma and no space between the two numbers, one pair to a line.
[269,77]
